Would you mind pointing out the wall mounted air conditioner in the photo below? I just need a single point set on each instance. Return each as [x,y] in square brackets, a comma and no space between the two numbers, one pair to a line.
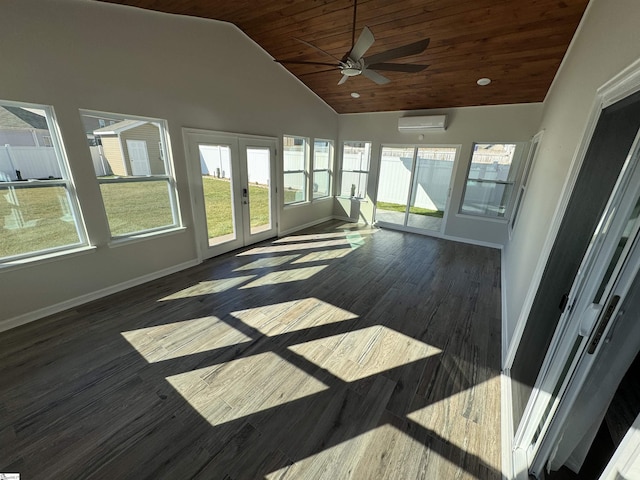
[424,124]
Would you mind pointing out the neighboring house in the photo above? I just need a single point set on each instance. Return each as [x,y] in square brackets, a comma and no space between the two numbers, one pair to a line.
[23,128]
[94,122]
[132,147]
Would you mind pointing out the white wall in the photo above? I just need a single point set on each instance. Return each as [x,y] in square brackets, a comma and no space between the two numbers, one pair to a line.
[196,73]
[607,42]
[503,123]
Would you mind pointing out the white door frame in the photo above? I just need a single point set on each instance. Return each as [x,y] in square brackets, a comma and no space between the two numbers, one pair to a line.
[625,462]
[578,321]
[237,143]
[619,87]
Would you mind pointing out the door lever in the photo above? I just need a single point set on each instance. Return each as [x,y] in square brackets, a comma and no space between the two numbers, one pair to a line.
[597,336]
[613,326]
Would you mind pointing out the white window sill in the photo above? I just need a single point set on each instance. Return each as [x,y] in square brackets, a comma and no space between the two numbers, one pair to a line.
[362,200]
[483,218]
[37,260]
[142,237]
[289,206]
[322,199]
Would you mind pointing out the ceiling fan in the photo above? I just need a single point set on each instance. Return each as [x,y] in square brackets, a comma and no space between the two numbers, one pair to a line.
[355,63]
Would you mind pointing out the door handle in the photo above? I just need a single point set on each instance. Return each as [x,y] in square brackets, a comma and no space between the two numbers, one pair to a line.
[245,194]
[597,336]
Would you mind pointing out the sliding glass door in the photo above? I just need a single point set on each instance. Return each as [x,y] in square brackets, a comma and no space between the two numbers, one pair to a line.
[414,186]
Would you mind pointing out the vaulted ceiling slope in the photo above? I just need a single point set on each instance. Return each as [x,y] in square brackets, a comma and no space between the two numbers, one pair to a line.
[517,44]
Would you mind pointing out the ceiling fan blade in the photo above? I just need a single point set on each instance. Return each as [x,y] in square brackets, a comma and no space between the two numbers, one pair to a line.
[404,51]
[398,67]
[375,76]
[317,48]
[316,71]
[302,62]
[365,40]
[343,79]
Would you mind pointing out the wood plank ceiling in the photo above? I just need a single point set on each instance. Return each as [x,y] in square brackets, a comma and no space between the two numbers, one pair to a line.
[517,44]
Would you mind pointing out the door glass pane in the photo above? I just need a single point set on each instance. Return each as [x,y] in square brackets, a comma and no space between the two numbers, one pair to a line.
[217,184]
[259,180]
[396,164]
[431,187]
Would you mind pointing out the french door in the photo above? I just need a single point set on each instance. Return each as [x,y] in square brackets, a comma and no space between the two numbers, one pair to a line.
[233,177]
[596,299]
[414,185]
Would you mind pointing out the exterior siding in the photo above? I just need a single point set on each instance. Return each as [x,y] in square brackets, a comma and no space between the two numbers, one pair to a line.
[113,154]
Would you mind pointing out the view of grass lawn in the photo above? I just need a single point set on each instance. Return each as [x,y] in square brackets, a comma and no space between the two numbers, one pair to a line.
[131,207]
[137,206]
[37,222]
[396,207]
[217,200]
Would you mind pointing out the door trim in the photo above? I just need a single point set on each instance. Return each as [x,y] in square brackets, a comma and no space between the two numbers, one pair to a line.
[622,85]
[193,136]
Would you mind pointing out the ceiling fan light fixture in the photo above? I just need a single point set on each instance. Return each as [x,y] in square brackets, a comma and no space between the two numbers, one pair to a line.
[355,94]
[351,71]
[483,81]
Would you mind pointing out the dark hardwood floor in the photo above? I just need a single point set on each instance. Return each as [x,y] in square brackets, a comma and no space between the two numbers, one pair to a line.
[339,352]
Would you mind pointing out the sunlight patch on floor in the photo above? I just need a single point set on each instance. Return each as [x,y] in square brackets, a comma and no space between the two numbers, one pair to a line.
[294,247]
[468,419]
[322,236]
[381,453]
[267,262]
[179,339]
[292,316]
[361,353]
[324,255]
[209,287]
[245,386]
[285,276]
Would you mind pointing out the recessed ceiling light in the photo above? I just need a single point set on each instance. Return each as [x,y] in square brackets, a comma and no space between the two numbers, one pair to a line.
[355,94]
[483,81]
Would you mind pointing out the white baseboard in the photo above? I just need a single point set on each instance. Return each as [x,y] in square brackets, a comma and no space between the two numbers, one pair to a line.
[506,426]
[473,242]
[88,297]
[306,225]
[504,316]
[347,219]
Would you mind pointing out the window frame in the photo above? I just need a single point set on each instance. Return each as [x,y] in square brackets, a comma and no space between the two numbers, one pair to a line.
[305,171]
[517,160]
[328,170]
[527,169]
[65,182]
[360,172]
[168,176]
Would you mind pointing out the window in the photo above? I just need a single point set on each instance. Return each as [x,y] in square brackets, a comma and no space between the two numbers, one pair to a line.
[322,165]
[356,157]
[491,179]
[528,166]
[134,173]
[38,205]
[296,174]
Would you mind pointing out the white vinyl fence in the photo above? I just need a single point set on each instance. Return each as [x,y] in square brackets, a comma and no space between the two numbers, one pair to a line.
[31,162]
[431,182]
[215,160]
[40,162]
